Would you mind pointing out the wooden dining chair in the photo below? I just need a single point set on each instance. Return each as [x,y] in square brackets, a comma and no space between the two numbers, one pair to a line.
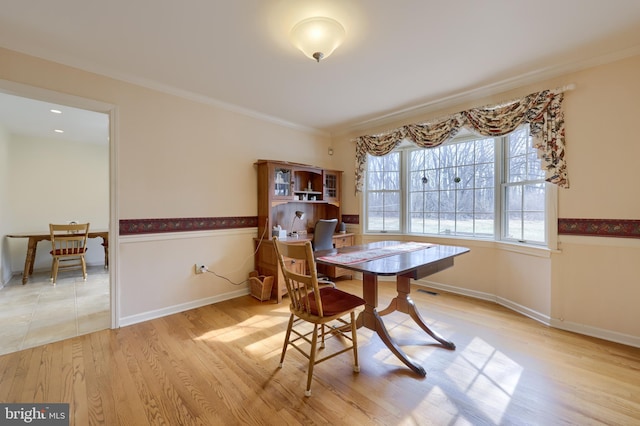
[68,248]
[323,307]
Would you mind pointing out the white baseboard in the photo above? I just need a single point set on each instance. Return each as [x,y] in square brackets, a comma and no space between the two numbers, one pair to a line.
[170,310]
[599,333]
[587,330]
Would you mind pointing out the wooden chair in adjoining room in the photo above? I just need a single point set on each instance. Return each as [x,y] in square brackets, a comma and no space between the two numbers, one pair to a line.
[68,248]
[323,307]
[105,244]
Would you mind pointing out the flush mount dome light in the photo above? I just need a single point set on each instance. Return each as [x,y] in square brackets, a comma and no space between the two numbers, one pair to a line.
[317,37]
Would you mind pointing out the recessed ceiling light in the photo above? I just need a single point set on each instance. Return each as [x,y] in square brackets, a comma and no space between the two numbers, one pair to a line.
[59,131]
[56,111]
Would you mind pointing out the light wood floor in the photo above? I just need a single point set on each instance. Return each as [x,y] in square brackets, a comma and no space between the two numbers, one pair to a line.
[219,365]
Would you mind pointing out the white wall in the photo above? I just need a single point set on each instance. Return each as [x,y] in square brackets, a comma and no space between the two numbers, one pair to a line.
[54,181]
[5,266]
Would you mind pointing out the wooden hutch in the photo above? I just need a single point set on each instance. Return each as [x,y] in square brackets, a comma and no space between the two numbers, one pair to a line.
[283,189]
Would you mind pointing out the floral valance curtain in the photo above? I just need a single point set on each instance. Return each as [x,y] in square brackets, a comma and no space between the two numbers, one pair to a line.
[542,111]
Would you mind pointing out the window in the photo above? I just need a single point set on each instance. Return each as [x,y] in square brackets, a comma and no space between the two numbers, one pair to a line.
[524,191]
[383,193]
[472,187]
[452,189]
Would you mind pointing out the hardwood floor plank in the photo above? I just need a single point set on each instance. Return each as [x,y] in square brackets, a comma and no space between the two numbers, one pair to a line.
[219,365]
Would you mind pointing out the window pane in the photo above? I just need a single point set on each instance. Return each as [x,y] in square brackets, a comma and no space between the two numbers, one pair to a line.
[432,158]
[416,223]
[464,201]
[448,178]
[416,202]
[485,176]
[374,201]
[514,198]
[416,160]
[375,181]
[447,155]
[535,166]
[514,226]
[534,230]
[432,201]
[464,224]
[447,223]
[391,161]
[447,201]
[415,181]
[485,150]
[484,225]
[484,201]
[518,142]
[534,197]
[391,201]
[517,169]
[391,180]
[431,224]
[374,163]
[467,176]
[375,220]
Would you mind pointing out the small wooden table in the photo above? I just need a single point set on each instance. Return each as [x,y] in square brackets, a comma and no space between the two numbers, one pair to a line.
[405,265]
[35,238]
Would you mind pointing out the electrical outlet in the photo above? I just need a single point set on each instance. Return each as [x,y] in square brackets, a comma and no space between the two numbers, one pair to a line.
[200,269]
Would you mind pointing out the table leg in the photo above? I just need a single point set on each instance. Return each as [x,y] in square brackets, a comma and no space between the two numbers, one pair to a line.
[403,303]
[29,260]
[370,319]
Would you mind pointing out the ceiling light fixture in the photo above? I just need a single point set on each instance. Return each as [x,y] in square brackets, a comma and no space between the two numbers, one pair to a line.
[317,37]
[56,111]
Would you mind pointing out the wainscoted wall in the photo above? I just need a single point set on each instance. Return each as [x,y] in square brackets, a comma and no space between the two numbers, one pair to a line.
[168,284]
[533,282]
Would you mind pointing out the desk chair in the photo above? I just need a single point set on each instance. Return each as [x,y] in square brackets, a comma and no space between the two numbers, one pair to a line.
[68,247]
[318,306]
[323,240]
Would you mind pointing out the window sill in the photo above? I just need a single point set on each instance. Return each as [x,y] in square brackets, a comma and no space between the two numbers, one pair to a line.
[537,251]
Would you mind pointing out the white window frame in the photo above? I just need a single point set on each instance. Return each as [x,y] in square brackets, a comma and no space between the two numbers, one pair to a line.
[401,197]
[551,198]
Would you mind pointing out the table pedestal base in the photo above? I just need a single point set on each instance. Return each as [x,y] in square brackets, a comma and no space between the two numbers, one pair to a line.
[371,318]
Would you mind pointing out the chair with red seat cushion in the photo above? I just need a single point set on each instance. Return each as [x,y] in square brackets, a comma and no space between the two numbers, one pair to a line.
[322,307]
[69,245]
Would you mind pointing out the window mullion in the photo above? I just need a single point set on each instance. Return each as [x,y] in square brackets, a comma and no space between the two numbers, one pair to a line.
[500,164]
[404,191]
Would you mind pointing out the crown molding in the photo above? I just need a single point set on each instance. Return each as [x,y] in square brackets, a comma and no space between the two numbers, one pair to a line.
[478,93]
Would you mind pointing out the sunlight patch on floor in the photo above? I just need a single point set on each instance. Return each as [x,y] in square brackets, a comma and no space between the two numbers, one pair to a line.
[491,377]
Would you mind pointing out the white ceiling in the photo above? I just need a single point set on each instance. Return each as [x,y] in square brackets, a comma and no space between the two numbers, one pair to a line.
[29,117]
[398,56]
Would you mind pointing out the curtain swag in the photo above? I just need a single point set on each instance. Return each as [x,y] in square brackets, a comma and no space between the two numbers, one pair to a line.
[541,110]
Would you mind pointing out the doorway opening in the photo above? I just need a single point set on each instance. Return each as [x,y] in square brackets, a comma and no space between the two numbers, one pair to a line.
[55,167]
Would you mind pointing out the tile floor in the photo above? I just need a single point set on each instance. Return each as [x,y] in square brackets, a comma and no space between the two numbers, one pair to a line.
[38,312]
